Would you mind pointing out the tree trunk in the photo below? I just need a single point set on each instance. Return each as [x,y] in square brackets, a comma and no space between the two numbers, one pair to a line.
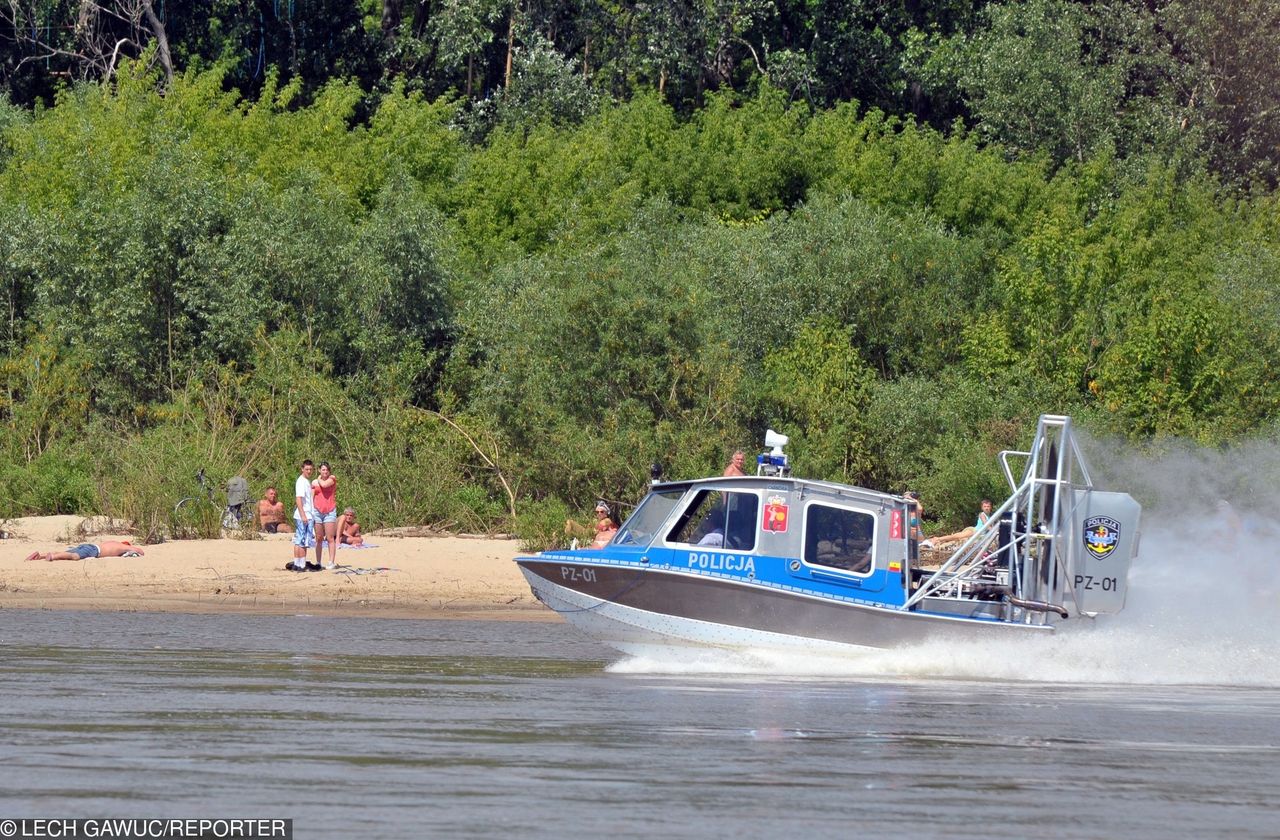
[162,41]
[511,42]
[390,20]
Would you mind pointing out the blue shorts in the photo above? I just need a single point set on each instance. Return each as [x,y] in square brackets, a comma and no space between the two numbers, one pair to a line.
[84,551]
[303,535]
[331,516]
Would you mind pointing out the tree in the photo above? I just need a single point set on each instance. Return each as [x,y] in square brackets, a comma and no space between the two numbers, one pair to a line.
[544,88]
[462,29]
[1071,80]
[87,39]
[1228,54]
[820,385]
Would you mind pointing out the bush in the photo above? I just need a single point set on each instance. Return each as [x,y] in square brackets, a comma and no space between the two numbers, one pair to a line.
[540,524]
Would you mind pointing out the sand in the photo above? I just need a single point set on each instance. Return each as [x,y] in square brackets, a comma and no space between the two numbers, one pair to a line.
[423,576]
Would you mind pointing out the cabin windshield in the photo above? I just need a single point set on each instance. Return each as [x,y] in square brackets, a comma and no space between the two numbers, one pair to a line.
[648,518]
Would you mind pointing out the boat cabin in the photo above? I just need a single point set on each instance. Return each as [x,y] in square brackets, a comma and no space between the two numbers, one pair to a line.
[840,540]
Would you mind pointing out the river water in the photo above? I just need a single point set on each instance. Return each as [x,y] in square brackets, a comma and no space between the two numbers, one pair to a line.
[397,728]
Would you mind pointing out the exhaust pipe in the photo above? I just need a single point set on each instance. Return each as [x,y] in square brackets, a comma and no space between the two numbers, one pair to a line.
[1037,606]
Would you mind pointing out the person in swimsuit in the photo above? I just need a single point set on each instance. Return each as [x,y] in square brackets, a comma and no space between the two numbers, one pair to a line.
[84,551]
[736,464]
[271,513]
[605,527]
[349,528]
[963,534]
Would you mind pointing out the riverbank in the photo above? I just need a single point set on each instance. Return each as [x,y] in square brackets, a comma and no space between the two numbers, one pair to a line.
[404,576]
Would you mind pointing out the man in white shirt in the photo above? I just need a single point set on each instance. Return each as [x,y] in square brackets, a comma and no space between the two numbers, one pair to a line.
[303,519]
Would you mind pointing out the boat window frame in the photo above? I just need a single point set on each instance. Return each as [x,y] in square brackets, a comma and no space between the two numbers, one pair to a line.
[627,529]
[845,506]
[695,494]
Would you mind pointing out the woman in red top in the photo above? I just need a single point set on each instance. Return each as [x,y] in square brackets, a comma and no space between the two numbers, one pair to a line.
[325,501]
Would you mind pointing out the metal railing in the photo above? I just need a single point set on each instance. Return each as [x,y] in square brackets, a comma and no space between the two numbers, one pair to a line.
[1032,547]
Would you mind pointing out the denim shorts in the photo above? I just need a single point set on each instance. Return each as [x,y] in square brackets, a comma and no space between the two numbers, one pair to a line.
[331,516]
[303,536]
[84,551]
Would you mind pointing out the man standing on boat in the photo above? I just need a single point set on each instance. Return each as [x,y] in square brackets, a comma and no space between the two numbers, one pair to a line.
[736,463]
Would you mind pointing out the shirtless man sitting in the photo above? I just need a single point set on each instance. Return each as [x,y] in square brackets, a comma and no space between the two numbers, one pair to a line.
[84,551]
[271,513]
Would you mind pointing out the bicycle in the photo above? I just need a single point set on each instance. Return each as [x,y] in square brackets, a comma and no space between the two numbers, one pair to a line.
[201,516]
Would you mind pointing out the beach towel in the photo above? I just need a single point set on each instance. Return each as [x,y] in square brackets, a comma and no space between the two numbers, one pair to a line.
[353,570]
[365,545]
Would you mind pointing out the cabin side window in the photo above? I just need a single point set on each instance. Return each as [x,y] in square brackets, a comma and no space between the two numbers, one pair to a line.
[718,519]
[838,538]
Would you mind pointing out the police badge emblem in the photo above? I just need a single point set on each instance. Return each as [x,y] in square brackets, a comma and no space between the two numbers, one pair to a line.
[1101,535]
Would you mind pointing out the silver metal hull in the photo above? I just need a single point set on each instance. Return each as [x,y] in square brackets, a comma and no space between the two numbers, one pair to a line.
[639,610]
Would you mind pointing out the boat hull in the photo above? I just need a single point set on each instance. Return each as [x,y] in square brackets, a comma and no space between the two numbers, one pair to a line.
[635,609]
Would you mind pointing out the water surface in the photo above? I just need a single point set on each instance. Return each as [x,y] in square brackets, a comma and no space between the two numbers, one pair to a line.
[481,729]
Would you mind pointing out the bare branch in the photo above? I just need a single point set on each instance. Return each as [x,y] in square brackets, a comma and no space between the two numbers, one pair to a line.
[493,465]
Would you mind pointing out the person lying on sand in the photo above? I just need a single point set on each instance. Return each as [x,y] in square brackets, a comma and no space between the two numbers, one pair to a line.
[86,550]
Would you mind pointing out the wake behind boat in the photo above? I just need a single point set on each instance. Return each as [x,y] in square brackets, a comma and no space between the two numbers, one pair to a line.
[776,562]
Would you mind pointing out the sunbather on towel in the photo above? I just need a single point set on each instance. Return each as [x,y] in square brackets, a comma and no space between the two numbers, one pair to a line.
[86,550]
[349,529]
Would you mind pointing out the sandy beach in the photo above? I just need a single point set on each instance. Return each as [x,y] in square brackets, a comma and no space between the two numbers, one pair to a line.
[402,577]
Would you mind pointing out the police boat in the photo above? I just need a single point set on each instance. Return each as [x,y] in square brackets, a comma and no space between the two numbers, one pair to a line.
[775,562]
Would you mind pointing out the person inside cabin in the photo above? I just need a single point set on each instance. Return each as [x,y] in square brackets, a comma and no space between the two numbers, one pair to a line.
[736,464]
[714,525]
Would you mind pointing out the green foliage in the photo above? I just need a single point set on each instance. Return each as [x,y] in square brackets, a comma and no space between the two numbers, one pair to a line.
[45,398]
[545,87]
[489,336]
[541,524]
[597,364]
[58,480]
[1230,52]
[941,437]
[900,282]
[820,387]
